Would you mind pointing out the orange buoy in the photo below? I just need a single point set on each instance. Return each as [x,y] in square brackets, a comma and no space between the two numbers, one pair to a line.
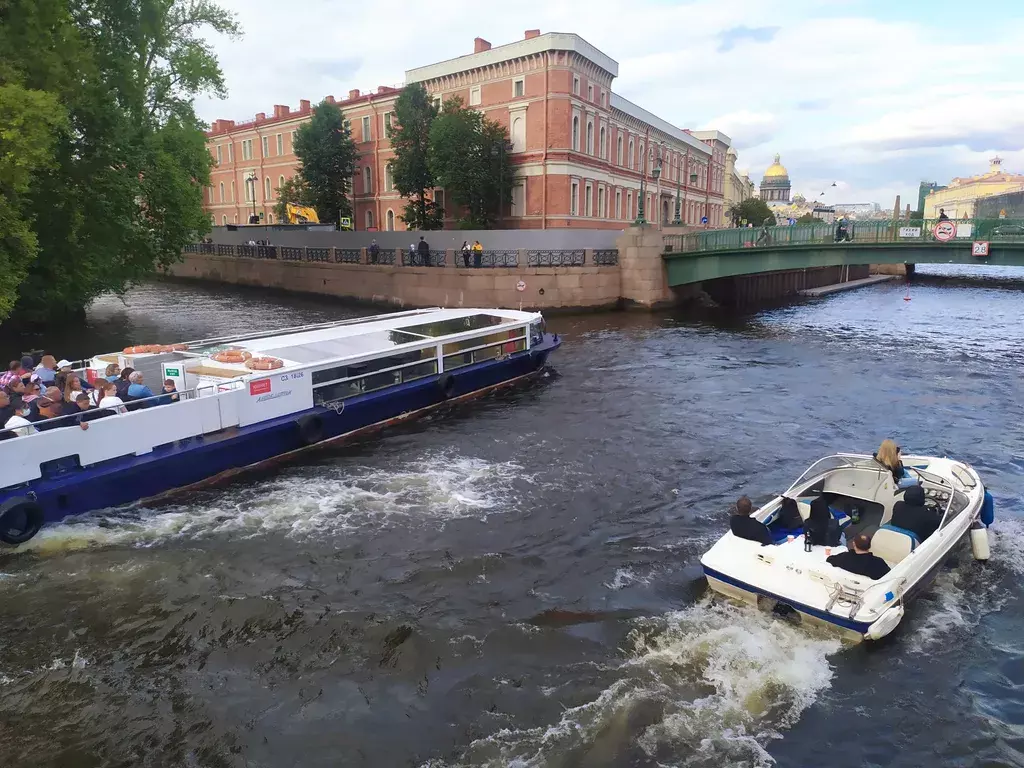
[264,363]
[173,347]
[235,356]
[142,349]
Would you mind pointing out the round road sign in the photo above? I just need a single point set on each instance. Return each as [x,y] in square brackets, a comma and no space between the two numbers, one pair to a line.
[520,286]
[944,231]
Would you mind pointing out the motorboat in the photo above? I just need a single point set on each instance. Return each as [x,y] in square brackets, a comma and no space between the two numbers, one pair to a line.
[793,574]
[245,400]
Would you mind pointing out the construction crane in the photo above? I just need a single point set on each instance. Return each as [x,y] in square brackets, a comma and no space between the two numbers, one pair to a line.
[301,214]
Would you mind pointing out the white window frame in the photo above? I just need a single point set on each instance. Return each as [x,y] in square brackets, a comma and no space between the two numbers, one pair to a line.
[231,152]
[475,96]
[366,128]
[602,200]
[386,123]
[588,199]
[519,191]
[247,149]
[389,177]
[519,88]
[268,192]
[280,144]
[389,219]
[632,152]
[602,142]
[629,204]
[367,180]
[265,146]
[590,93]
[218,155]
[574,193]
[368,218]
[618,203]
[575,133]
[618,151]
[590,137]
[224,220]
[222,192]
[576,85]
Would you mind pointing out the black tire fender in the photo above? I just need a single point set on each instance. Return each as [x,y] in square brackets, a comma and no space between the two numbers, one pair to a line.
[311,428]
[26,517]
[446,383]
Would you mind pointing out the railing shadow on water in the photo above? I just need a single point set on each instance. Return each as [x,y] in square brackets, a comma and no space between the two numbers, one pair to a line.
[907,231]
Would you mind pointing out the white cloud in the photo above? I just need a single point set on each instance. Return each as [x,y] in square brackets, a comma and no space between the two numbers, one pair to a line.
[877,103]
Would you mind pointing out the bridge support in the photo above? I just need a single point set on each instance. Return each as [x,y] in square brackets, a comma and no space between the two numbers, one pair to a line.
[900,270]
[644,278]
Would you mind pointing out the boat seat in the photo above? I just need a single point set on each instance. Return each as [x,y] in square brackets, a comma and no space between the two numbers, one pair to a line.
[892,544]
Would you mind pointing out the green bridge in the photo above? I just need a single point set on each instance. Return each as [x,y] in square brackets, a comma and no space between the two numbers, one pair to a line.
[713,254]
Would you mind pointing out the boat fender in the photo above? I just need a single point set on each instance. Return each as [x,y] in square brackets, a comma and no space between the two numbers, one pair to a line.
[988,509]
[979,541]
[886,623]
[446,383]
[20,520]
[311,428]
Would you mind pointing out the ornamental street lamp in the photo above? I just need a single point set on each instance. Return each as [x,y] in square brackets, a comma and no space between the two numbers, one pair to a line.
[679,182]
[250,181]
[655,174]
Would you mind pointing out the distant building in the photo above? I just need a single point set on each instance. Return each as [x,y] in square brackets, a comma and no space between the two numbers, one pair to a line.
[738,186]
[960,198]
[775,184]
[857,210]
[926,188]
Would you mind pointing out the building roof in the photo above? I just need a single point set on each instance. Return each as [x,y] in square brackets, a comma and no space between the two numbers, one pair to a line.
[712,136]
[776,170]
[628,107]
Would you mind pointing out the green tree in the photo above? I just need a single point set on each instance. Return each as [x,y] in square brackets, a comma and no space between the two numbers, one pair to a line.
[753,210]
[294,191]
[327,155]
[468,158]
[410,138]
[808,218]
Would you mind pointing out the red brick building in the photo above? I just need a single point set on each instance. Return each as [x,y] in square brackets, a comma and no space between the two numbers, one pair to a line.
[578,148]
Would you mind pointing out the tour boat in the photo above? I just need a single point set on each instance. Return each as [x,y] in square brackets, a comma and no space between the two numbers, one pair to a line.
[250,399]
[792,574]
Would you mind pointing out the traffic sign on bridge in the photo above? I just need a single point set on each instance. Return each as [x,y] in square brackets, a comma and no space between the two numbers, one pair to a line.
[944,231]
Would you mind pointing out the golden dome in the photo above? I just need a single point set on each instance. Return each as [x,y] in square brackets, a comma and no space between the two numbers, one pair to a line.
[776,170]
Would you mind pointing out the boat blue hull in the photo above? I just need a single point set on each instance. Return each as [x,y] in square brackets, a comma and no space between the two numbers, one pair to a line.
[203,459]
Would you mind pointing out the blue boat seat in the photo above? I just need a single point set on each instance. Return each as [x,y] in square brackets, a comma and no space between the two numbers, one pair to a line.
[892,544]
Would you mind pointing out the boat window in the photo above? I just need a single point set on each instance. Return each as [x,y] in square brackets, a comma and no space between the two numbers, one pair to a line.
[821,467]
[349,370]
[455,325]
[964,477]
[475,350]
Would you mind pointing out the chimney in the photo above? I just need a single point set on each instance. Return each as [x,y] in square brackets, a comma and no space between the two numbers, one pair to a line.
[532,33]
[261,116]
[281,110]
[353,94]
[480,45]
[304,105]
[329,99]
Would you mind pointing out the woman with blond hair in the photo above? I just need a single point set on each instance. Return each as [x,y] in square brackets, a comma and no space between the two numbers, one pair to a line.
[889,457]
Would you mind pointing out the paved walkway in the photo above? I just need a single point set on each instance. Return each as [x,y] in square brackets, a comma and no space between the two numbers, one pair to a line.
[825,290]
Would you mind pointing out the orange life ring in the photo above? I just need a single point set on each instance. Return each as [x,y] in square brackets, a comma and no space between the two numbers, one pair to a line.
[173,347]
[231,356]
[264,364]
[142,349]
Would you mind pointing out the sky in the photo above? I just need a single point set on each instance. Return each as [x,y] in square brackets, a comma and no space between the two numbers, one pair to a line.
[873,96]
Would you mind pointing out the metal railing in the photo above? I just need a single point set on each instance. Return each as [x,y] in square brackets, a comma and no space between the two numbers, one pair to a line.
[606,257]
[574,258]
[919,231]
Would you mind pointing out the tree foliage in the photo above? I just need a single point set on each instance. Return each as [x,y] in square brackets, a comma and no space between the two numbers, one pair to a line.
[468,157]
[327,153]
[115,187]
[753,210]
[410,139]
[808,218]
[294,191]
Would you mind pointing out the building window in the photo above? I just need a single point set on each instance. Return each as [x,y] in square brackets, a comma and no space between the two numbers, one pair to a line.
[280,144]
[618,204]
[347,125]
[234,218]
[218,155]
[232,190]
[280,183]
[574,194]
[389,178]
[231,153]
[474,96]
[575,85]
[518,88]
[575,133]
[224,220]
[650,211]
[265,146]
[390,221]
[641,160]
[590,93]
[629,159]
[518,134]
[588,209]
[247,149]
[369,219]
[366,128]
[439,199]
[367,181]
[629,205]
[268,195]
[604,99]
[437,103]
[387,125]
[601,212]
[270,218]
[222,191]
[590,138]
[519,200]
[601,145]
[618,151]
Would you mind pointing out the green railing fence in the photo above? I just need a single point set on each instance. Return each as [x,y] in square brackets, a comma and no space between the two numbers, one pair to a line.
[881,231]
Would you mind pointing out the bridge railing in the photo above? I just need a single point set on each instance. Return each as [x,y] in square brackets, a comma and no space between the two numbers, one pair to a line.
[871,231]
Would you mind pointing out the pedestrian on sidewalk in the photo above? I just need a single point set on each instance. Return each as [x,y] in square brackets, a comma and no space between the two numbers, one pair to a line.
[424,251]
[478,253]
[374,251]
[465,252]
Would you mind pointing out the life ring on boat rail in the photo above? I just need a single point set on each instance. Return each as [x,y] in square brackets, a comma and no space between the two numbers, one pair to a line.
[174,347]
[264,363]
[446,383]
[152,349]
[20,520]
[311,428]
[231,356]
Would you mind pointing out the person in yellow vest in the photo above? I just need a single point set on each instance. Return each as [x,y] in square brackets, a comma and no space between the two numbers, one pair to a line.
[478,252]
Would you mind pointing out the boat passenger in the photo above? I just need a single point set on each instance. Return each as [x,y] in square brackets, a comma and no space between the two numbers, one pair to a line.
[6,407]
[123,382]
[889,457]
[48,413]
[113,372]
[19,423]
[31,391]
[912,515]
[137,390]
[859,559]
[789,514]
[824,528]
[12,374]
[46,371]
[110,399]
[170,394]
[72,389]
[746,527]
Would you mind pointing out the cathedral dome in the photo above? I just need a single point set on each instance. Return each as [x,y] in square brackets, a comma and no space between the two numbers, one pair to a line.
[776,170]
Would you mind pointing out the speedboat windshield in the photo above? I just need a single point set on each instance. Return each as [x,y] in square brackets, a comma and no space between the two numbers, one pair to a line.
[823,467]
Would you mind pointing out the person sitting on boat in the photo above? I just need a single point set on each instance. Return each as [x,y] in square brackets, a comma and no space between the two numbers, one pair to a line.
[889,457]
[170,394]
[30,391]
[123,382]
[12,374]
[136,389]
[912,515]
[113,372]
[824,528]
[72,389]
[46,370]
[859,559]
[110,399]
[49,414]
[19,423]
[789,514]
[746,527]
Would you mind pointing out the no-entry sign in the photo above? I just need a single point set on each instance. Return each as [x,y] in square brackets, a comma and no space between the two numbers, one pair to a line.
[944,231]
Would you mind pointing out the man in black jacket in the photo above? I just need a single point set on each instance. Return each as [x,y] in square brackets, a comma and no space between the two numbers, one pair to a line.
[424,252]
[746,527]
[859,560]
[912,515]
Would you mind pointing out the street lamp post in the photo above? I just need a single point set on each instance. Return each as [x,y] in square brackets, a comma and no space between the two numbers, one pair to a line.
[679,182]
[655,174]
[251,181]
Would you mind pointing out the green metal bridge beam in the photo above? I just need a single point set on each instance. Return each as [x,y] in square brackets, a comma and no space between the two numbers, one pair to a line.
[698,266]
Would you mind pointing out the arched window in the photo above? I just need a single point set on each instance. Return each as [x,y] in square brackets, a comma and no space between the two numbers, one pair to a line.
[367,182]
[518,135]
[600,145]
[640,165]
[618,151]
[630,159]
[389,177]
[224,220]
[575,133]
[280,182]
[268,194]
[222,191]
[270,218]
[590,138]
[369,218]
[390,221]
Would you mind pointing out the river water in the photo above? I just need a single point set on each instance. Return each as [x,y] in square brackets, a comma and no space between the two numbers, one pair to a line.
[517,583]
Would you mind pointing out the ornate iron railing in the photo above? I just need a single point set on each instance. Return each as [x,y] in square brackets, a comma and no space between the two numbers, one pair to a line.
[491,258]
[318,254]
[292,253]
[606,257]
[348,255]
[225,250]
[385,256]
[573,258]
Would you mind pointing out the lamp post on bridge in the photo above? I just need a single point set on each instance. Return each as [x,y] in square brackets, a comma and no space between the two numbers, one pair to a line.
[250,181]
[655,174]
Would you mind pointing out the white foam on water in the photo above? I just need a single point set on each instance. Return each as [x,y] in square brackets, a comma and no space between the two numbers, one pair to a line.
[717,682]
[438,486]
